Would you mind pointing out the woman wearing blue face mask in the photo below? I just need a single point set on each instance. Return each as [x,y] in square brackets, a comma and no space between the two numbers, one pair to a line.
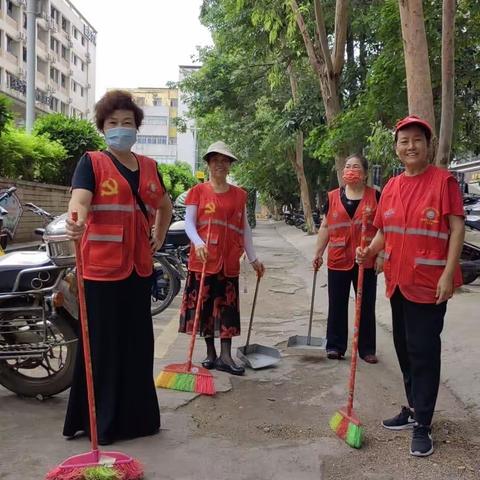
[119,197]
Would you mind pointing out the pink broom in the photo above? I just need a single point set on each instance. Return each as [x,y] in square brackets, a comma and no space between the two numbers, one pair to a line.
[94,465]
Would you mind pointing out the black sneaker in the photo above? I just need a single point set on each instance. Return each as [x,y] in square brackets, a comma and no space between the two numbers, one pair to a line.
[402,421]
[422,443]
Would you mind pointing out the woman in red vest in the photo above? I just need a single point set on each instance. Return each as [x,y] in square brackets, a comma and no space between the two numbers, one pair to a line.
[340,231]
[225,206]
[119,197]
[421,228]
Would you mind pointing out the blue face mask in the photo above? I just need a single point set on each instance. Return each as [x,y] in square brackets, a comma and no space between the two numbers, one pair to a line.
[121,138]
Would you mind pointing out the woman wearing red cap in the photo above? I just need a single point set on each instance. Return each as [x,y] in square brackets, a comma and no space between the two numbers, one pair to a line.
[225,205]
[340,231]
[421,228]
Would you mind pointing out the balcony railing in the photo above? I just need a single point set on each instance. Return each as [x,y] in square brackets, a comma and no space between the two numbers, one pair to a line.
[20,86]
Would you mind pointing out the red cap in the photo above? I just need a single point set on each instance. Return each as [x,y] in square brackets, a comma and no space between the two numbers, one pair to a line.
[412,120]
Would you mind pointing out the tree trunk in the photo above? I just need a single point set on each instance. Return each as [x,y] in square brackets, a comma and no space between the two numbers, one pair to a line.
[419,83]
[327,66]
[296,158]
[297,161]
[448,83]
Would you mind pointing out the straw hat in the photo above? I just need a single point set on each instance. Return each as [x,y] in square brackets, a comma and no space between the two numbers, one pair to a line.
[222,148]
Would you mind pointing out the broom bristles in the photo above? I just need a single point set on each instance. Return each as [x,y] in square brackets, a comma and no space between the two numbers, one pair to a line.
[178,377]
[346,429]
[126,471]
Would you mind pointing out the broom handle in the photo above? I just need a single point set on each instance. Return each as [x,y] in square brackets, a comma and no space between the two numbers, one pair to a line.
[92,413]
[252,312]
[358,314]
[199,304]
[312,305]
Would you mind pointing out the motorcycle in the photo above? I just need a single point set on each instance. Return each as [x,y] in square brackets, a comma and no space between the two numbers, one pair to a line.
[170,267]
[38,339]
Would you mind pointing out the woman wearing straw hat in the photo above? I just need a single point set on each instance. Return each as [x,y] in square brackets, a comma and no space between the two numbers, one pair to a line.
[224,206]
[421,227]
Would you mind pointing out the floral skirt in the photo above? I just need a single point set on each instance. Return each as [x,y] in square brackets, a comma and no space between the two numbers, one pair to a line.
[220,312]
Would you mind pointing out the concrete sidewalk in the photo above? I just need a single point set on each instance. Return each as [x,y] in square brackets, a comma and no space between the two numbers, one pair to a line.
[461,334]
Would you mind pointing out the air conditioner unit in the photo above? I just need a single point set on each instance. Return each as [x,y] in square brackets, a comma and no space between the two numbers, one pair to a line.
[69,100]
[50,89]
[88,86]
[53,25]
[69,36]
[70,72]
[51,58]
[69,44]
[88,58]
[20,72]
[45,16]
[21,36]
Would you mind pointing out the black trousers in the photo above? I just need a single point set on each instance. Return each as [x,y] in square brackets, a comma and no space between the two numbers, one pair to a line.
[416,335]
[339,282]
[122,348]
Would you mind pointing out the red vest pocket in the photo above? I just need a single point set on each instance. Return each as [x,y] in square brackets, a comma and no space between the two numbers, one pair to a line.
[104,247]
[428,268]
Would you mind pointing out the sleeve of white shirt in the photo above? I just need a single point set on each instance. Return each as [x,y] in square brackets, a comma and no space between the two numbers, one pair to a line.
[191,225]
[248,240]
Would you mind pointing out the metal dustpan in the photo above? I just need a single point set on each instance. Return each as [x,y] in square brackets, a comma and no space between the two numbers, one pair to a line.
[306,343]
[254,355]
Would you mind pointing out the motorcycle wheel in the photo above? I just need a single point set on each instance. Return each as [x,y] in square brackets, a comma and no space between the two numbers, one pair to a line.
[28,382]
[164,288]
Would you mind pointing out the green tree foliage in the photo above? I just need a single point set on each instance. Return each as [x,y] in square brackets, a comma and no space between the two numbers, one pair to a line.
[6,115]
[76,135]
[177,177]
[30,157]
[242,93]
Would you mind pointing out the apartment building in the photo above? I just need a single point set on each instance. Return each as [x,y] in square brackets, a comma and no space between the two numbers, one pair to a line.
[187,139]
[157,137]
[65,66]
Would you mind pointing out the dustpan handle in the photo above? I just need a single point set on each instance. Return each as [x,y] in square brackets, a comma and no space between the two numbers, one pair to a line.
[86,345]
[252,313]
[312,305]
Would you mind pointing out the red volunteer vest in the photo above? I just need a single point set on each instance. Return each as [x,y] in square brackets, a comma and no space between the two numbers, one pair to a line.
[344,233]
[226,244]
[116,239]
[416,248]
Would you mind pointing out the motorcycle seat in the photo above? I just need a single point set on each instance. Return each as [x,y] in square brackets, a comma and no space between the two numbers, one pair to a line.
[13,263]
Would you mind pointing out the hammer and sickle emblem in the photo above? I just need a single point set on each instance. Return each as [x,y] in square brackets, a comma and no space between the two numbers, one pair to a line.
[109,188]
[210,208]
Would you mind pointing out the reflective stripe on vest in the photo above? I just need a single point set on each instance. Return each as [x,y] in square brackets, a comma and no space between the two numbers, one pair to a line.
[222,224]
[105,238]
[416,231]
[111,207]
[430,261]
[339,225]
[336,244]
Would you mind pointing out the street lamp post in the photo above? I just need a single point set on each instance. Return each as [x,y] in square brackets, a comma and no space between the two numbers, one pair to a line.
[32,12]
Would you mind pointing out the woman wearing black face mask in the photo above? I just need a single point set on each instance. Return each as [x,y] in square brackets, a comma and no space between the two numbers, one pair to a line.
[119,196]
[341,231]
